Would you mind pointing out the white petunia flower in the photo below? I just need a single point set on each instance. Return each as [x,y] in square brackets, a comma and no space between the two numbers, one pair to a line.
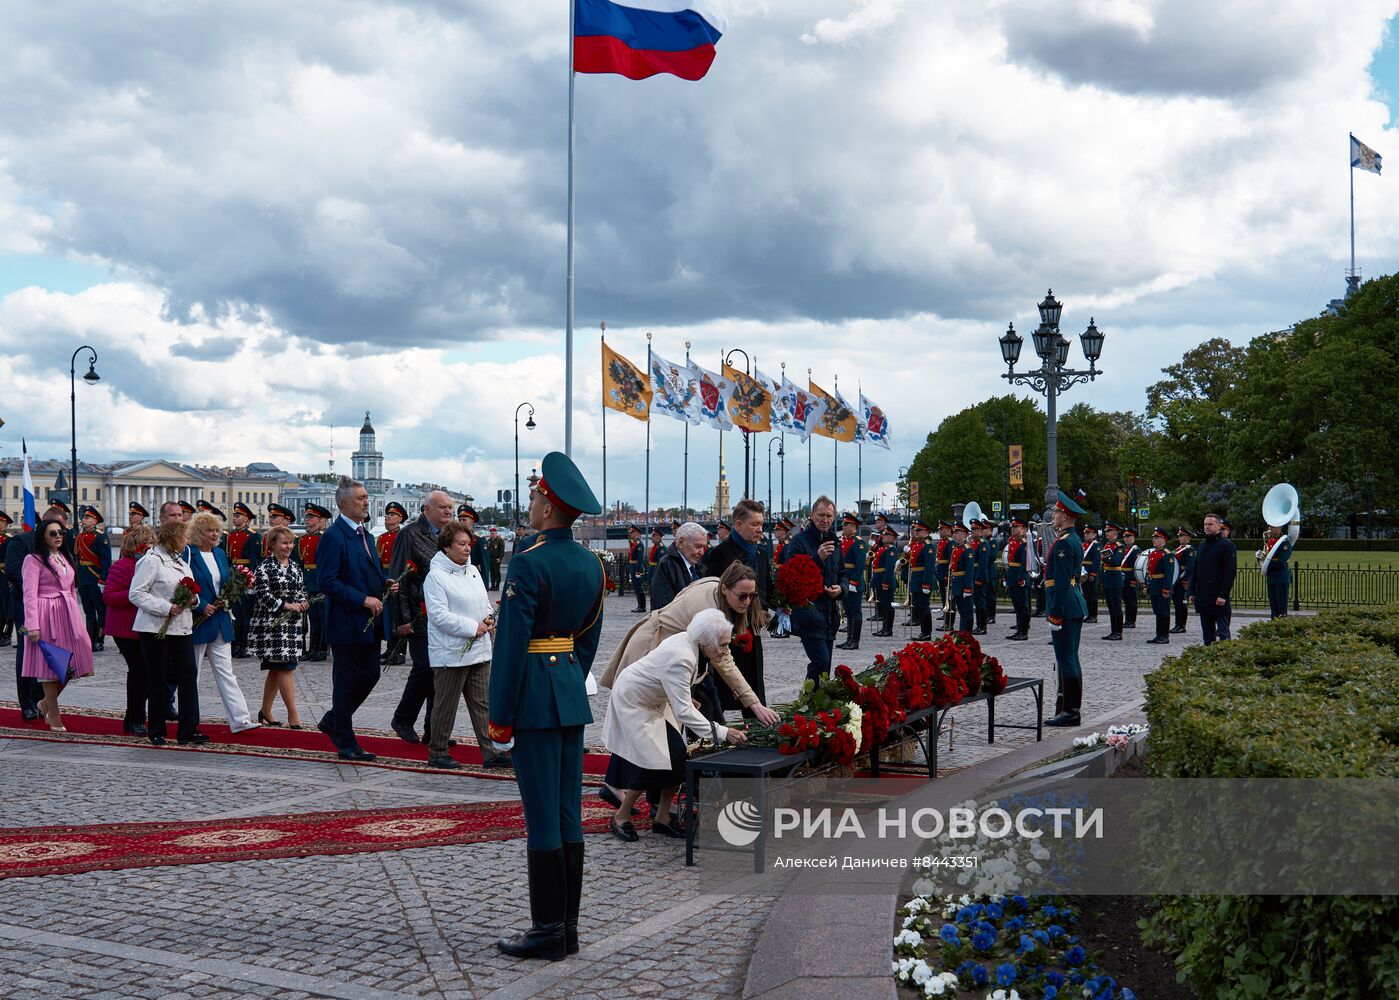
[911,939]
[922,972]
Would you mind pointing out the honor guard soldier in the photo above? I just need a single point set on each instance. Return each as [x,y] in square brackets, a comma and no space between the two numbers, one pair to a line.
[942,554]
[988,541]
[1064,609]
[279,516]
[1279,574]
[6,622]
[135,515]
[186,510]
[243,548]
[881,522]
[882,580]
[307,552]
[654,553]
[93,550]
[722,530]
[467,515]
[1185,569]
[1017,579]
[961,585]
[853,553]
[636,568]
[394,516]
[549,626]
[1160,581]
[1130,585]
[1112,580]
[495,555]
[979,576]
[920,612]
[1092,571]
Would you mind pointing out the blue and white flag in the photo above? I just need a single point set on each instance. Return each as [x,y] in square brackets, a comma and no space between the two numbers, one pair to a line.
[29,518]
[874,423]
[715,392]
[807,408]
[782,403]
[1363,156]
[674,390]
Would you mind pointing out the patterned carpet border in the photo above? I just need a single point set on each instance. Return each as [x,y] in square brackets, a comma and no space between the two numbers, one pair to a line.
[66,850]
[103,728]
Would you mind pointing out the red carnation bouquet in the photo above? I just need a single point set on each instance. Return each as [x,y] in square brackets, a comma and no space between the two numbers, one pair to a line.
[185,596]
[236,587]
[799,581]
[743,642]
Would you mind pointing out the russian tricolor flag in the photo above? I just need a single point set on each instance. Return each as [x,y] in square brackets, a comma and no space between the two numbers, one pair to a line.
[646,38]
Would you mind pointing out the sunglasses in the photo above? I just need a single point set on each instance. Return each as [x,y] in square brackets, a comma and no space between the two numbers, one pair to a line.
[744,597]
[53,534]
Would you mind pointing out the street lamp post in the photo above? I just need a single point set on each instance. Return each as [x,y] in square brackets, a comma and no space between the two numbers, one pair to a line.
[1052,377]
[529,426]
[781,453]
[747,461]
[89,378]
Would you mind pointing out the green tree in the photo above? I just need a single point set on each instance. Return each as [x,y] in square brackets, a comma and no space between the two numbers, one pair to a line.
[965,458]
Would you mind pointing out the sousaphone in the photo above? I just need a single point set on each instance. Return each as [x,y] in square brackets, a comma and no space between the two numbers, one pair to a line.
[971,512]
[1281,508]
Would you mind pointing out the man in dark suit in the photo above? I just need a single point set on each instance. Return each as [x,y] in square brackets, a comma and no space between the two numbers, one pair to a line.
[742,545]
[417,544]
[353,583]
[27,688]
[815,624]
[681,565]
[1212,580]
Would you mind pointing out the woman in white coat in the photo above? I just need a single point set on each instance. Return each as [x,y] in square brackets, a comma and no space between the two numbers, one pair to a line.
[650,700]
[460,622]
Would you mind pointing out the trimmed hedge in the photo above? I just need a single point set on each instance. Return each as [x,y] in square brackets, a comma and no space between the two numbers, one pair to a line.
[1292,698]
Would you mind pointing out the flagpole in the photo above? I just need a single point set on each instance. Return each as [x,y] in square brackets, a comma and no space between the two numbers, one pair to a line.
[603,341]
[808,454]
[648,444]
[782,459]
[568,335]
[685,483]
[1350,147]
[859,449]
[835,453]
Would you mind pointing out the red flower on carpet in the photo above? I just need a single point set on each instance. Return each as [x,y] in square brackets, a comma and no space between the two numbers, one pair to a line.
[799,581]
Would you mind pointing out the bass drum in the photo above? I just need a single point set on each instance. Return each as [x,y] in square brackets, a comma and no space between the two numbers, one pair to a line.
[1139,567]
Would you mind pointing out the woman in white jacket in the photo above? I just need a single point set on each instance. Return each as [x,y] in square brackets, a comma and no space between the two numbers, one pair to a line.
[648,699]
[460,622]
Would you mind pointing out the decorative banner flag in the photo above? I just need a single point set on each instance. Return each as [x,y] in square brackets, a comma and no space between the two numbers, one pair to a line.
[782,402]
[675,392]
[807,409]
[751,403]
[1363,156]
[624,388]
[876,423]
[715,395]
[29,518]
[644,37]
[1017,465]
[859,423]
[838,420]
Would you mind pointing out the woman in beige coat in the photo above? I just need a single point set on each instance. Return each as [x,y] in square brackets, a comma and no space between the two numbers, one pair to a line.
[648,752]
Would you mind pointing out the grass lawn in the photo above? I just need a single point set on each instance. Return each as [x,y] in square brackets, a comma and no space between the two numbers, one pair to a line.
[1309,555]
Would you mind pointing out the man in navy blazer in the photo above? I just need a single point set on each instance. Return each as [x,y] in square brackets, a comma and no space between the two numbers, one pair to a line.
[353,582]
[815,624]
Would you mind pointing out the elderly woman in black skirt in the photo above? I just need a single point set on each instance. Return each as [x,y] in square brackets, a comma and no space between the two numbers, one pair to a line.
[650,702]
[279,590]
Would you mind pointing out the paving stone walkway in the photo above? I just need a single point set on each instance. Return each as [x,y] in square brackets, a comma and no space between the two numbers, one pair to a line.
[416,923]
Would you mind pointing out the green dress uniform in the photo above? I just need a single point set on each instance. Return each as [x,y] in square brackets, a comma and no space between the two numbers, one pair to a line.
[1065,609]
[1092,574]
[960,584]
[853,553]
[1018,583]
[1279,575]
[882,581]
[549,624]
[1112,582]
[1185,570]
[920,613]
[1161,570]
[977,548]
[93,550]
[942,558]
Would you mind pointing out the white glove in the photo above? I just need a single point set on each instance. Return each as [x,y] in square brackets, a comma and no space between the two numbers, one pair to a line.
[503,747]
[1054,628]
[590,685]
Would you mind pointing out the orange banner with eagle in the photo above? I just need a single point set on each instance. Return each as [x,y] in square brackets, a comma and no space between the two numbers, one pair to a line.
[839,421]
[750,406]
[624,386]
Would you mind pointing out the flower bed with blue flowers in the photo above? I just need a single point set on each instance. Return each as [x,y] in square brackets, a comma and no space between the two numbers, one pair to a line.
[997,947]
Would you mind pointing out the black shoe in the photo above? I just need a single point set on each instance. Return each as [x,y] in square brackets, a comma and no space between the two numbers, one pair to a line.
[638,611]
[264,720]
[1178,630]
[137,730]
[1015,637]
[979,631]
[29,714]
[1113,637]
[1065,718]
[666,830]
[1091,621]
[843,645]
[405,732]
[444,762]
[626,832]
[156,740]
[1130,625]
[503,760]
[193,739]
[614,800]
[1037,614]
[573,886]
[548,907]
[361,756]
[4,641]
[1158,641]
[323,726]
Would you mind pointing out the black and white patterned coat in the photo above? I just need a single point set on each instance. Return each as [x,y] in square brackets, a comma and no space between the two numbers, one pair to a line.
[277,585]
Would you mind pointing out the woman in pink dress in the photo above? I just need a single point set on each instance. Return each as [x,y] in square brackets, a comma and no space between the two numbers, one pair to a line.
[53,614]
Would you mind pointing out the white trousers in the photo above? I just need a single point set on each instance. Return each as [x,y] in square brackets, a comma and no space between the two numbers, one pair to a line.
[219,655]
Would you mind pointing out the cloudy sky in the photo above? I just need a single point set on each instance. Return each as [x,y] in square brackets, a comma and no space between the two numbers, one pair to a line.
[269,219]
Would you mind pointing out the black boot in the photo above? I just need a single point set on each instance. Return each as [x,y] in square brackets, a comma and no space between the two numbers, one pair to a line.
[573,863]
[857,626]
[925,626]
[1073,698]
[548,903]
[980,622]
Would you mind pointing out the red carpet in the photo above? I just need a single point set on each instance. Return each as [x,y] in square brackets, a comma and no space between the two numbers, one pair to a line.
[102,727]
[66,850]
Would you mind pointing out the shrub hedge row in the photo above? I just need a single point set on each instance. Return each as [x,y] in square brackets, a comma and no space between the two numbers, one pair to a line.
[1291,698]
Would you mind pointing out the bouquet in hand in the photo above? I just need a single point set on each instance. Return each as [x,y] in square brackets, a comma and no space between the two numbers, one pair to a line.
[185,597]
[389,588]
[489,621]
[799,581]
[236,587]
[287,617]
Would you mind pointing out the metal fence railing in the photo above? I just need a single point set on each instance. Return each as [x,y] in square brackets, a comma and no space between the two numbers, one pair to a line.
[1315,587]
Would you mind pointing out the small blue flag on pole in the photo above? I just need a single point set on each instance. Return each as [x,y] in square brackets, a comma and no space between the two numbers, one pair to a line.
[1363,156]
